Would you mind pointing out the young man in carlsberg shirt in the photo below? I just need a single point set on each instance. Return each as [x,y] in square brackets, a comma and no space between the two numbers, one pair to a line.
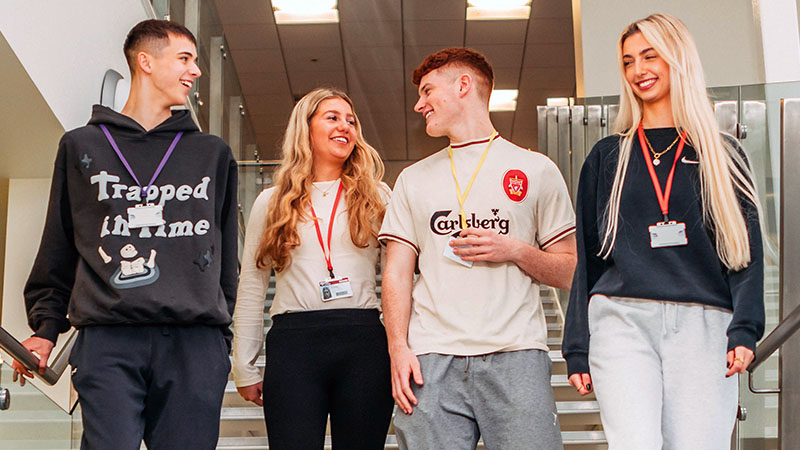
[139,252]
[486,221]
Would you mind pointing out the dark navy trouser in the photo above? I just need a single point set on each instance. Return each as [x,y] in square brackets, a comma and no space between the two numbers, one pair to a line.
[163,384]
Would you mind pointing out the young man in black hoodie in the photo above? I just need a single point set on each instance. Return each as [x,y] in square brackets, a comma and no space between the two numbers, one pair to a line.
[139,252]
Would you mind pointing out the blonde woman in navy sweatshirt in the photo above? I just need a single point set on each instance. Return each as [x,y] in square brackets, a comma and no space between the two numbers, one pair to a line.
[667,300]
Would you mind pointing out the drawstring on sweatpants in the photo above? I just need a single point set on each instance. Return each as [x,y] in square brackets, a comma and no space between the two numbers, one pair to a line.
[667,310]
[466,361]
[675,323]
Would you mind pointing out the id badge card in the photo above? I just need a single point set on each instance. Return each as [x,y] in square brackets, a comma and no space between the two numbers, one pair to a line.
[448,253]
[335,288]
[668,234]
[150,215]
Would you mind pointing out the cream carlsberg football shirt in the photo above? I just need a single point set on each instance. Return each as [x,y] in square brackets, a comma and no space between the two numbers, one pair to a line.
[489,307]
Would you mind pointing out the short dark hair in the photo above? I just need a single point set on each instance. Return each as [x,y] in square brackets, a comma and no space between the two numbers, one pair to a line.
[152,33]
[461,57]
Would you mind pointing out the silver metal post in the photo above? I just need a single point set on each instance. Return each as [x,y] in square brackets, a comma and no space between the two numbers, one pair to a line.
[216,83]
[5,399]
[563,158]
[541,115]
[578,148]
[594,132]
[235,125]
[552,133]
[613,110]
[789,380]
[727,114]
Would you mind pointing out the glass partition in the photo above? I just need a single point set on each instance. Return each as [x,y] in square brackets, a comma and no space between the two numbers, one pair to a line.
[759,112]
[33,421]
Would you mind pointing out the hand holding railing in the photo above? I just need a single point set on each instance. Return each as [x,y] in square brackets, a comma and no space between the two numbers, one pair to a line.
[28,360]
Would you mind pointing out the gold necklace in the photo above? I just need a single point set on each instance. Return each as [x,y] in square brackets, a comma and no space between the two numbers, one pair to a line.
[656,156]
[326,191]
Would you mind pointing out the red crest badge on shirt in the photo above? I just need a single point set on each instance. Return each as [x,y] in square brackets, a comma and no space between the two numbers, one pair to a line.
[515,185]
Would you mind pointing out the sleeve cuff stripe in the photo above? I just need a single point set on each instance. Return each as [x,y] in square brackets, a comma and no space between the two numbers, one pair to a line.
[398,238]
[558,236]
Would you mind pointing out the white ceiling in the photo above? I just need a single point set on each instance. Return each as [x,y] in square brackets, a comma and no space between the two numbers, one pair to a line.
[371,54]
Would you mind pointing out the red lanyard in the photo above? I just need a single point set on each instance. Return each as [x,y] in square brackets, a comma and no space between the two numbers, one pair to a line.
[327,254]
[663,198]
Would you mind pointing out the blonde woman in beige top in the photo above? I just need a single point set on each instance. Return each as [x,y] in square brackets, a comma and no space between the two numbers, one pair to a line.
[317,228]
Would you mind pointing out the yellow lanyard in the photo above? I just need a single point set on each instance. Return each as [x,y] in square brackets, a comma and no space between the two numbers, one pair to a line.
[463,198]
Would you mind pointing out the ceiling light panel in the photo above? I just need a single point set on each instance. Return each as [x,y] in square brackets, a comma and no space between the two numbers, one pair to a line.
[503,100]
[305,11]
[498,9]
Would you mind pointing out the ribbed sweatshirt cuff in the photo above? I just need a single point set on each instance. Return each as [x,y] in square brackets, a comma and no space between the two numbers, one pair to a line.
[741,337]
[48,329]
[577,363]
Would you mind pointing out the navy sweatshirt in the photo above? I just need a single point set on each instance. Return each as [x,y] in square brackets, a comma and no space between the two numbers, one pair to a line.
[690,273]
[92,269]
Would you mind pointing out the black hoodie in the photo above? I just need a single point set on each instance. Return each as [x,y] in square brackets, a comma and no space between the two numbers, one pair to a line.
[92,269]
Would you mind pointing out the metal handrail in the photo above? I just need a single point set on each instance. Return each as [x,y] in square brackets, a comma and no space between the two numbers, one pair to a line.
[17,351]
[786,329]
[259,163]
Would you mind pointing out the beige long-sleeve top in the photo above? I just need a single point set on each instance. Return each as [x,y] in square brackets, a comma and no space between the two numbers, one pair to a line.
[297,286]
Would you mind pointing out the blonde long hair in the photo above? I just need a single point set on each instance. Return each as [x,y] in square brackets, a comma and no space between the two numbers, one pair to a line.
[723,171]
[361,176]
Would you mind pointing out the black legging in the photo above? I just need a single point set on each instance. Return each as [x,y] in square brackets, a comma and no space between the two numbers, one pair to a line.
[327,362]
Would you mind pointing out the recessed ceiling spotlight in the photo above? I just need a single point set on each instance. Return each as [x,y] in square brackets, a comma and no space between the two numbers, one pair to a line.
[498,9]
[503,100]
[305,11]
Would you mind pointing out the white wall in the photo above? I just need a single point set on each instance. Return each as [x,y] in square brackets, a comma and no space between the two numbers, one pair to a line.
[727,34]
[781,38]
[67,46]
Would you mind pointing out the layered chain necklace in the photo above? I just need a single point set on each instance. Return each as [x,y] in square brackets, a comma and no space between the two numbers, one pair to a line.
[657,155]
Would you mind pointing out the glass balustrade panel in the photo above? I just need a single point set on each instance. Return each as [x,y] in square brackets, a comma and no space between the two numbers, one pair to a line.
[33,421]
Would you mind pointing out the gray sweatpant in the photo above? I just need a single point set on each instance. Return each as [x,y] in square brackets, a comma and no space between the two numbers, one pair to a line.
[658,370]
[505,397]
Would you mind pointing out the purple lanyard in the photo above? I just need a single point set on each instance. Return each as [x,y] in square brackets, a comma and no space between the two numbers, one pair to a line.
[143,194]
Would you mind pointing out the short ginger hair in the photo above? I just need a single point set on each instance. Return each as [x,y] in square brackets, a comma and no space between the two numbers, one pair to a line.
[459,57]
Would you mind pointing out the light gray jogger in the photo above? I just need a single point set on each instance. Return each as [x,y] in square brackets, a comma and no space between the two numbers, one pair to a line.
[505,397]
[658,370]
